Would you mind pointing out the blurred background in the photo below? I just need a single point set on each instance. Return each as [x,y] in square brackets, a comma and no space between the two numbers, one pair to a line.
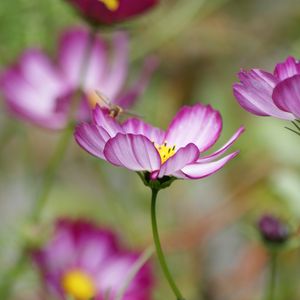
[204,224]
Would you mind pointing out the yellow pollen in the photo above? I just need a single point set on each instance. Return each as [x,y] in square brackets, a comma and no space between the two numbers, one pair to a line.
[165,151]
[78,285]
[111,4]
[93,99]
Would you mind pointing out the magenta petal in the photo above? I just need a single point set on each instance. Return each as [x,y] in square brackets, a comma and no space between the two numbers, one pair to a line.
[91,138]
[137,126]
[72,52]
[223,149]
[115,76]
[130,97]
[31,90]
[286,95]
[184,156]
[135,152]
[254,93]
[103,119]
[98,12]
[199,124]
[201,170]
[288,68]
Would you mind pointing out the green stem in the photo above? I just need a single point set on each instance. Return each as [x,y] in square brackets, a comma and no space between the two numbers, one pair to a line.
[50,172]
[272,276]
[158,247]
[49,175]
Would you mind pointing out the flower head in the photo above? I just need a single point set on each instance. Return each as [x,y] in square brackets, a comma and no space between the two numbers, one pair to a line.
[111,11]
[85,262]
[272,229]
[177,152]
[39,91]
[274,94]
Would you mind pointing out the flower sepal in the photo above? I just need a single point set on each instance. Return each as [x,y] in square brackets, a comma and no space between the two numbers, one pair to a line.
[158,183]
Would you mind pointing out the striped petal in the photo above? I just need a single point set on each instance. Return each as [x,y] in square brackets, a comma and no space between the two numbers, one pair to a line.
[201,170]
[223,149]
[184,156]
[137,126]
[91,138]
[254,94]
[135,152]
[287,95]
[199,124]
[287,69]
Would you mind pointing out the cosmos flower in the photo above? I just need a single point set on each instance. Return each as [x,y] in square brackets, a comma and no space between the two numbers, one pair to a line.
[85,262]
[111,11]
[37,90]
[177,152]
[274,94]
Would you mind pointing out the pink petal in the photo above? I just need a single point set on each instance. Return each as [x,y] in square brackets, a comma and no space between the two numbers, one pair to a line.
[288,68]
[224,148]
[184,156]
[254,94]
[73,49]
[286,95]
[201,170]
[135,152]
[91,138]
[130,97]
[103,119]
[99,13]
[137,126]
[199,124]
[115,76]
[32,89]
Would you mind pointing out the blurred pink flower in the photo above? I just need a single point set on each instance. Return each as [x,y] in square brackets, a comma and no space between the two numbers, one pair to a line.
[112,11]
[178,152]
[85,262]
[274,94]
[39,91]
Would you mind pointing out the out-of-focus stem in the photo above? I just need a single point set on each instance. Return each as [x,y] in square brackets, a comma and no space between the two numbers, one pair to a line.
[272,276]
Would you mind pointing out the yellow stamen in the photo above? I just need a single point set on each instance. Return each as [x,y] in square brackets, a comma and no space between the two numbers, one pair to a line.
[93,99]
[78,285]
[165,151]
[111,4]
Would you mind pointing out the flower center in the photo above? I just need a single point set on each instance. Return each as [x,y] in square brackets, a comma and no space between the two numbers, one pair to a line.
[78,285]
[165,151]
[93,99]
[111,4]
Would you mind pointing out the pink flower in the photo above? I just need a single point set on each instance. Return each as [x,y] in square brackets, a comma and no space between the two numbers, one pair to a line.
[85,262]
[178,152]
[274,94]
[112,11]
[39,91]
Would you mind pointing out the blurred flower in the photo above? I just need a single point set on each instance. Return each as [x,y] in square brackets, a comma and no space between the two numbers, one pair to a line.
[39,91]
[85,262]
[140,147]
[111,11]
[274,94]
[272,229]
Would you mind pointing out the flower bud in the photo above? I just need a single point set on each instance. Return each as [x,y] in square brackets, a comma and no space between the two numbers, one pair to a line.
[273,229]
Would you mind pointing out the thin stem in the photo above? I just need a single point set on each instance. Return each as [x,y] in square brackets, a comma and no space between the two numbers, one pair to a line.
[290,129]
[50,172]
[272,276]
[158,247]
[49,175]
